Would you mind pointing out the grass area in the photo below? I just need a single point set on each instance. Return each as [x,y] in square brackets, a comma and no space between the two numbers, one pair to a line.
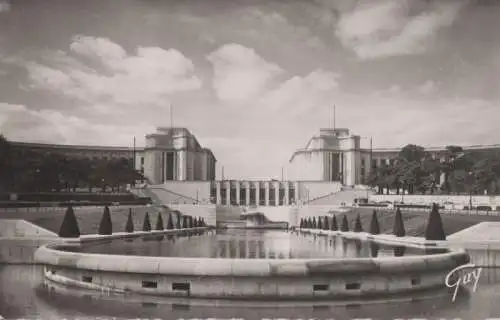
[416,221]
[90,218]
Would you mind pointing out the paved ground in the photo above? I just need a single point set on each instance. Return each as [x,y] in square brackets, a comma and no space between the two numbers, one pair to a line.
[484,231]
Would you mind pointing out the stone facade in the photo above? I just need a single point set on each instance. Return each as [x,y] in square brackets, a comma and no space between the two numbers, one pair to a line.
[174,154]
[336,155]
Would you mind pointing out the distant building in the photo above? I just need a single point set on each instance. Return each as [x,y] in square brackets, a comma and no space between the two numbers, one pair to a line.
[336,155]
[170,154]
[174,154]
[173,160]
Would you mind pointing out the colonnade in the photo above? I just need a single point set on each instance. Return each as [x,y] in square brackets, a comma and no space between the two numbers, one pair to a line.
[256,193]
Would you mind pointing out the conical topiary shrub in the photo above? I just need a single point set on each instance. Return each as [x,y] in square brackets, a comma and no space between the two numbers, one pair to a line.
[203,224]
[159,222]
[69,226]
[170,222]
[434,230]
[308,223]
[320,224]
[184,222]
[190,222]
[129,226]
[326,224]
[358,227]
[146,226]
[178,221]
[313,226]
[399,228]
[334,226]
[301,224]
[345,224]
[106,227]
[374,225]
[200,222]
[195,223]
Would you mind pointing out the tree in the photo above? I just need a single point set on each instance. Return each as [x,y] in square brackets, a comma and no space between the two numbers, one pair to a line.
[170,222]
[326,224]
[345,224]
[69,227]
[195,223]
[334,225]
[320,224]
[106,227]
[185,222]
[399,228]
[358,227]
[190,222]
[374,225]
[434,230]
[129,226]
[313,223]
[159,222]
[301,224]
[146,226]
[178,221]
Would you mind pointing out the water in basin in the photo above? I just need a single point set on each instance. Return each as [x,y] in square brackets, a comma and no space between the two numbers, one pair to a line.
[250,244]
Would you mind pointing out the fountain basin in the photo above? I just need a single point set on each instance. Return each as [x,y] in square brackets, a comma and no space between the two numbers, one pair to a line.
[251,279]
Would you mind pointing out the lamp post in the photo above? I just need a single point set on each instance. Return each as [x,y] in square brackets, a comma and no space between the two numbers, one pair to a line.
[470,189]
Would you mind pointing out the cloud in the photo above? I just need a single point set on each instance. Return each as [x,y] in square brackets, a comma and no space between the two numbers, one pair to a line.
[4,6]
[385,28]
[99,70]
[19,123]
[298,94]
[240,74]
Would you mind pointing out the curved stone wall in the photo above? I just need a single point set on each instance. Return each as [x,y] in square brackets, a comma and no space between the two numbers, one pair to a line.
[248,278]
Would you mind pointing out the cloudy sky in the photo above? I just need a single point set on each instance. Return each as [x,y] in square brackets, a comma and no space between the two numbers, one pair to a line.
[252,79]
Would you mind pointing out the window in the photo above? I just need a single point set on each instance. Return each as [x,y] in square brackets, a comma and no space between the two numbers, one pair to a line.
[320,287]
[353,286]
[415,281]
[150,284]
[181,286]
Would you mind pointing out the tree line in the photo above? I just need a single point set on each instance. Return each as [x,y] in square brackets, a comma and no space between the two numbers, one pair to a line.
[27,170]
[416,171]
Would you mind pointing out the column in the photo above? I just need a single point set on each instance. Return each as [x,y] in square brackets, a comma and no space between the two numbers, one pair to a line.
[287,191]
[296,191]
[181,165]
[247,251]
[228,193]
[238,192]
[266,186]
[257,193]
[277,187]
[217,195]
[228,252]
[247,193]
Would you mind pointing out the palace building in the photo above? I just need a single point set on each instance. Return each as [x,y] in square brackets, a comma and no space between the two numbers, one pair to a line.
[174,161]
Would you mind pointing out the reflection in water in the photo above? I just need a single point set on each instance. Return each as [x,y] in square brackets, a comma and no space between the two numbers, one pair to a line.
[374,248]
[399,251]
[357,243]
[21,296]
[249,244]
